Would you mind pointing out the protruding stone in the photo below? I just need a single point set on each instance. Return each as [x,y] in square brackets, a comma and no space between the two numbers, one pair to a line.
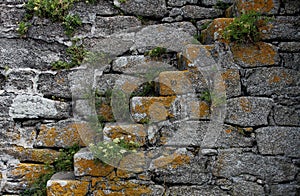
[196,12]
[263,6]
[64,183]
[61,134]
[248,111]
[20,81]
[279,140]
[175,82]
[33,106]
[85,165]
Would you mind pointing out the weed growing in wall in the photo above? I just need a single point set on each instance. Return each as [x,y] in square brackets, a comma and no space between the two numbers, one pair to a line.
[64,162]
[245,29]
[156,52]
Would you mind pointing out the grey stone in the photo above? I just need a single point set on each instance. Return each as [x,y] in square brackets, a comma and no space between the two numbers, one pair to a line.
[106,83]
[175,12]
[232,163]
[178,3]
[289,47]
[196,12]
[232,80]
[291,60]
[5,103]
[110,25]
[285,189]
[184,26]
[269,81]
[286,116]
[290,7]
[194,172]
[203,24]
[162,35]
[28,53]
[248,111]
[153,8]
[205,190]
[247,188]
[209,152]
[215,2]
[9,18]
[2,81]
[285,28]
[33,106]
[21,81]
[279,140]
[54,84]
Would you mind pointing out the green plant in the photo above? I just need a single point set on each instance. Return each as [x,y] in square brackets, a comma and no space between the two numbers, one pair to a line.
[70,23]
[122,1]
[156,52]
[222,5]
[23,28]
[64,162]
[76,54]
[245,29]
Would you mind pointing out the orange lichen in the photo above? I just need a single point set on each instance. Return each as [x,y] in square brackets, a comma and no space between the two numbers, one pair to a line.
[263,6]
[29,172]
[255,54]
[68,187]
[175,160]
[228,131]
[129,87]
[105,111]
[274,79]
[175,82]
[89,167]
[245,104]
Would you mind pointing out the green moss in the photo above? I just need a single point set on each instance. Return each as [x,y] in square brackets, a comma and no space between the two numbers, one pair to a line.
[23,28]
[71,23]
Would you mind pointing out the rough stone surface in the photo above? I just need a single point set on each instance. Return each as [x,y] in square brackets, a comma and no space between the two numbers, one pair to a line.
[269,81]
[248,188]
[204,190]
[283,189]
[269,168]
[291,60]
[248,111]
[32,106]
[288,116]
[279,140]
[20,81]
[196,12]
[153,8]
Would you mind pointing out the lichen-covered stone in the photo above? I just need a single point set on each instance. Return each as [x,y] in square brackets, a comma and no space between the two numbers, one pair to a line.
[255,55]
[205,190]
[279,140]
[154,8]
[272,81]
[232,82]
[248,111]
[34,106]
[54,84]
[197,12]
[264,6]
[234,163]
[85,165]
[152,109]
[64,183]
[61,134]
[130,132]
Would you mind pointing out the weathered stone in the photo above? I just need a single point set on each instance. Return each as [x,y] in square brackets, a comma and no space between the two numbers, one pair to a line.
[10,17]
[269,81]
[248,111]
[247,188]
[153,8]
[279,140]
[20,81]
[65,183]
[216,2]
[203,24]
[31,154]
[152,109]
[256,55]
[54,84]
[285,189]
[196,12]
[286,116]
[266,7]
[285,28]
[215,30]
[5,103]
[134,132]
[109,25]
[180,167]
[33,106]
[29,53]
[231,163]
[84,165]
[289,47]
[61,134]
[184,26]
[178,3]
[162,35]
[291,60]
[232,81]
[205,190]
[290,7]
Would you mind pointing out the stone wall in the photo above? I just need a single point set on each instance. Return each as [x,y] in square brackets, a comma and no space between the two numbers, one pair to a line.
[243,139]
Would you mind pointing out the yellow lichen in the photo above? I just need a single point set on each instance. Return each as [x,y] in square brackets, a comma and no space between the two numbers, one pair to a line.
[245,104]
